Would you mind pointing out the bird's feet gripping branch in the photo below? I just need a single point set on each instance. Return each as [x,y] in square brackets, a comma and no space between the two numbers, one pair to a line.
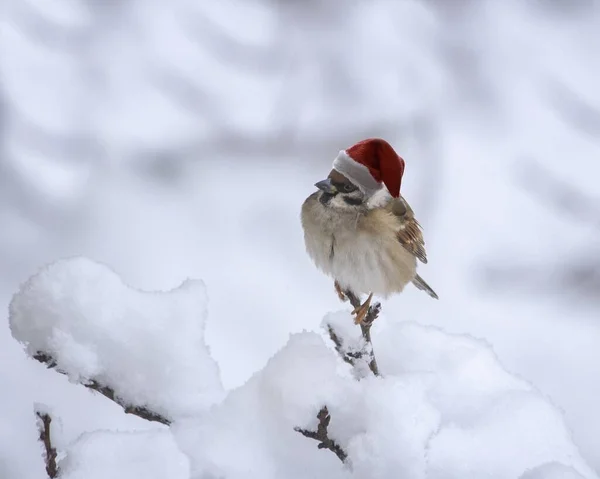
[362,310]
[365,312]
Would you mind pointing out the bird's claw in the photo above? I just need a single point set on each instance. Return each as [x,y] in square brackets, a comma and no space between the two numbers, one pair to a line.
[340,292]
[362,310]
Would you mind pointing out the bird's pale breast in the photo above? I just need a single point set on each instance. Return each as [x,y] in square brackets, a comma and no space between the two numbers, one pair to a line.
[360,251]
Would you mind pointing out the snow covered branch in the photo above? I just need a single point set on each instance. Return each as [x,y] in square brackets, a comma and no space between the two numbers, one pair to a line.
[444,408]
[348,356]
[362,350]
[321,435]
[107,392]
[44,421]
[365,328]
[352,351]
[78,317]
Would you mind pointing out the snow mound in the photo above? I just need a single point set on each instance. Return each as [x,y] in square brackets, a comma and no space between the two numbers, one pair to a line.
[147,346]
[251,433]
[124,455]
[443,408]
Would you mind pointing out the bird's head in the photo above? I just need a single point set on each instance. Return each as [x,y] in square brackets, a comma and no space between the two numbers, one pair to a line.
[339,192]
[360,172]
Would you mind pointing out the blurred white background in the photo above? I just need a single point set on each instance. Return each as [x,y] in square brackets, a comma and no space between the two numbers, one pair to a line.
[179,139]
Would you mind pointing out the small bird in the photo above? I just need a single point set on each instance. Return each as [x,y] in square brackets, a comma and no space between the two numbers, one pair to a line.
[360,231]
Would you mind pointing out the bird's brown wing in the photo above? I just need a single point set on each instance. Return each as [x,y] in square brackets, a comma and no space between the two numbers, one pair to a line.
[410,234]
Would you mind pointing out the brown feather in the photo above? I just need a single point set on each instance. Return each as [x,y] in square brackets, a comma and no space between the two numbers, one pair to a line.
[410,234]
[421,284]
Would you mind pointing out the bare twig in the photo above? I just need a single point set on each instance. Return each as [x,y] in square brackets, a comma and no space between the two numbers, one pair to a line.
[45,438]
[322,435]
[107,392]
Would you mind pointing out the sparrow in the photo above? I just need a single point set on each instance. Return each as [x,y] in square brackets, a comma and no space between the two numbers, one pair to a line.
[359,230]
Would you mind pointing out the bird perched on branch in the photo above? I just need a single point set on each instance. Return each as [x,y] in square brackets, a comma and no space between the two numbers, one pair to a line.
[359,230]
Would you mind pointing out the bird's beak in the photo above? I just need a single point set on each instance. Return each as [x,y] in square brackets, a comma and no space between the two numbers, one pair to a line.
[326,186]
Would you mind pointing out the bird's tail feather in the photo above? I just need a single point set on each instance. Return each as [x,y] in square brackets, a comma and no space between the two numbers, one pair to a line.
[423,286]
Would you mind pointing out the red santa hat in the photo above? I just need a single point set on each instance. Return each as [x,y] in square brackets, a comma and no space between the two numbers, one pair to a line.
[370,164]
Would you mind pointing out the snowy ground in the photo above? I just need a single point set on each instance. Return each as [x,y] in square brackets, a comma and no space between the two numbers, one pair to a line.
[261,286]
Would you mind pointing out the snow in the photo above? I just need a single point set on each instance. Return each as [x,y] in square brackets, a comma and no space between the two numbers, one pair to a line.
[41,408]
[352,342]
[443,407]
[467,94]
[124,455]
[255,423]
[148,347]
[552,470]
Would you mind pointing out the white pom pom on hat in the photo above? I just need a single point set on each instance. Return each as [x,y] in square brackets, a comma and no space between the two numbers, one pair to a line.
[370,164]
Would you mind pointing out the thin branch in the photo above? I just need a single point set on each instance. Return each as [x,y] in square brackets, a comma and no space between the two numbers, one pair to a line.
[322,435]
[351,357]
[50,452]
[365,328]
[347,356]
[107,392]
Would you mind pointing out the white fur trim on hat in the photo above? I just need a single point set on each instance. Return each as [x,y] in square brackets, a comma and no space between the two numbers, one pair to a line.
[357,173]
